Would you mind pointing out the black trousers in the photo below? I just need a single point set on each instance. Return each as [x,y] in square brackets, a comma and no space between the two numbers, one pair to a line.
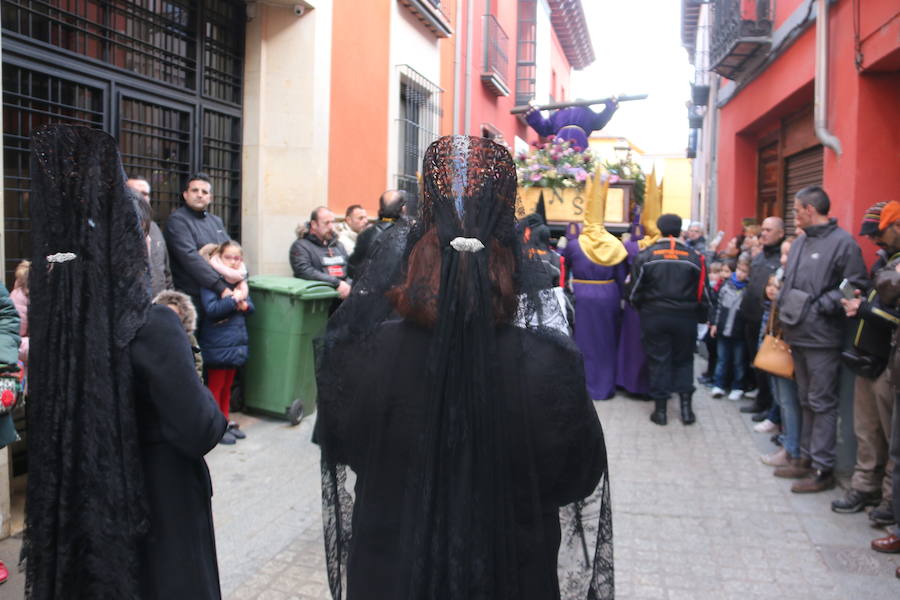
[764,390]
[668,339]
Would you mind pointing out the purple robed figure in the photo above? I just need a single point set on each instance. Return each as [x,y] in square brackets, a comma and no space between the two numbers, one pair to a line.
[574,124]
[631,372]
[598,294]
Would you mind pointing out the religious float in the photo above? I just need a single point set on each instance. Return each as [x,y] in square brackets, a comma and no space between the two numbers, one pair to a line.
[557,169]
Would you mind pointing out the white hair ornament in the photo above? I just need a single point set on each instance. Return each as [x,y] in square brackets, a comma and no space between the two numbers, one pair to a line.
[462,244]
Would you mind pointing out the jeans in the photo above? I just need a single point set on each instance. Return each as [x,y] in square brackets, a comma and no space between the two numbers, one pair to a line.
[786,397]
[730,365]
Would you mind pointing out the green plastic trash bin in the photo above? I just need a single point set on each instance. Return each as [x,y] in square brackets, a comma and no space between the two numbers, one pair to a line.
[279,377]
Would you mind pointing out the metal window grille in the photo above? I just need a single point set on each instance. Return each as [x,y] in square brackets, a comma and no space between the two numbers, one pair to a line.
[222,162]
[30,100]
[155,143]
[223,61]
[152,38]
[418,124]
[83,61]
[526,51]
[496,41]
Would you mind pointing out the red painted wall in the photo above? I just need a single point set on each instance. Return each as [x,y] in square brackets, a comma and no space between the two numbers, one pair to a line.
[862,112]
[488,108]
[356,124]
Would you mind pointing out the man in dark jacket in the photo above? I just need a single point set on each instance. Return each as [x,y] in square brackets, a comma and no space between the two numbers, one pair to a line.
[761,268]
[813,323]
[668,285]
[873,394]
[887,284]
[390,208]
[189,228]
[318,256]
[160,273]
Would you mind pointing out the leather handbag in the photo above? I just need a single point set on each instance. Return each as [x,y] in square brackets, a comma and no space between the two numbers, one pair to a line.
[774,354]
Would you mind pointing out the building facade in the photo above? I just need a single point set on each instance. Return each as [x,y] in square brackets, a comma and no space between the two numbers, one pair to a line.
[287,105]
[762,75]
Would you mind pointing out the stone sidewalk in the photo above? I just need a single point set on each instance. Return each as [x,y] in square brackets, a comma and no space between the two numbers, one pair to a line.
[696,516]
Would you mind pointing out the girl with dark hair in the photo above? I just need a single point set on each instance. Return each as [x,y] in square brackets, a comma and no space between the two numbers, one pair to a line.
[480,462]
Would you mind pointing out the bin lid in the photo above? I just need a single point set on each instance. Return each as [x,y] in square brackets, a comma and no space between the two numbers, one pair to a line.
[291,286]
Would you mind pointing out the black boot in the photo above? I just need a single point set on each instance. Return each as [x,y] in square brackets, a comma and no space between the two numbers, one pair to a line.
[687,415]
[659,413]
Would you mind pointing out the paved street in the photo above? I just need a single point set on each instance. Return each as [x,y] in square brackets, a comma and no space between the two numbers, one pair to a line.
[696,516]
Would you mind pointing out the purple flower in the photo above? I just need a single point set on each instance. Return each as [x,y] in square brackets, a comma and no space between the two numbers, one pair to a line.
[535,177]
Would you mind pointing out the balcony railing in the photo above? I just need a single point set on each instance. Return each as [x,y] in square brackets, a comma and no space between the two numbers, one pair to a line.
[434,14]
[741,32]
[496,59]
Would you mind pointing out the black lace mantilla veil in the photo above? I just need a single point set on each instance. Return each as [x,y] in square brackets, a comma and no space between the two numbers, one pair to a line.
[89,288]
[462,496]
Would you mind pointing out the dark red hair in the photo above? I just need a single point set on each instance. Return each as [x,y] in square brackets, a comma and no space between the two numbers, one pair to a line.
[416,298]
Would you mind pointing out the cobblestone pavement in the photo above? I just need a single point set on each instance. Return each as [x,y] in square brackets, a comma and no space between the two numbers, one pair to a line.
[696,516]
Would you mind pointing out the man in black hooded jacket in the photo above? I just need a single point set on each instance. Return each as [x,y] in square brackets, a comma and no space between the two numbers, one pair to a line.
[668,285]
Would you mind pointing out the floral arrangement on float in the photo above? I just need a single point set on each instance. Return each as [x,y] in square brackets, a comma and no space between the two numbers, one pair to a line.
[554,164]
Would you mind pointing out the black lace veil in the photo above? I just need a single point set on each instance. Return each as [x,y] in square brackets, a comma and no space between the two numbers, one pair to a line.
[460,527]
[89,296]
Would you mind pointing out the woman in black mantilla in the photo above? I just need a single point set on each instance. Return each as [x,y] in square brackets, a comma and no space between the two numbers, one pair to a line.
[118,499]
[480,463]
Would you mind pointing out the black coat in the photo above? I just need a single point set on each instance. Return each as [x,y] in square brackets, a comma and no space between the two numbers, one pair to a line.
[762,267]
[179,423]
[563,442]
[317,260]
[186,232]
[671,277]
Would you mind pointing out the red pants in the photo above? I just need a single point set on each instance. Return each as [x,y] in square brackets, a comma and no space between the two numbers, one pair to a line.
[219,382]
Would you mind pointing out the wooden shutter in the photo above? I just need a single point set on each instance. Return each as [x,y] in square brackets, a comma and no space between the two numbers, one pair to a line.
[800,170]
[767,181]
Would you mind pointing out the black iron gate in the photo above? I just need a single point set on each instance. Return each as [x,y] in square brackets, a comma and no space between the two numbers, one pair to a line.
[162,76]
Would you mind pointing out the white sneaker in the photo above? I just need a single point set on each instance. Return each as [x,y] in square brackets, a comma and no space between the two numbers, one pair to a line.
[735,395]
[717,392]
[765,426]
[751,394]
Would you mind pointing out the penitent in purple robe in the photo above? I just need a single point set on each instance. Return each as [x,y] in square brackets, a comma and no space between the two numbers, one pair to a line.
[598,291]
[574,123]
[631,370]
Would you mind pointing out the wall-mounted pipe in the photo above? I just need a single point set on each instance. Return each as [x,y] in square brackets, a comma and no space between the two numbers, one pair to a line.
[827,138]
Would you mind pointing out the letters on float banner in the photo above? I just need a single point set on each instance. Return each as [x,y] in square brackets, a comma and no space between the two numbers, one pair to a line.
[566,205]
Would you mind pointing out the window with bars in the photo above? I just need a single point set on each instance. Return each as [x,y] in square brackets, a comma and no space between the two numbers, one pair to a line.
[418,124]
[222,162]
[526,51]
[155,143]
[31,100]
[163,76]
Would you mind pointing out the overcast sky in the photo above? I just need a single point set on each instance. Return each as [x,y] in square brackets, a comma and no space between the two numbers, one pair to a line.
[638,48]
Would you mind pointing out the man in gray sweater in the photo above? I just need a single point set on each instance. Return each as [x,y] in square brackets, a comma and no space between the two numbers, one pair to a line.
[813,322]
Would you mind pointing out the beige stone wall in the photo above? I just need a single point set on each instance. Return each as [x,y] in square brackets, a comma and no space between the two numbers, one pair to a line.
[677,188]
[285,151]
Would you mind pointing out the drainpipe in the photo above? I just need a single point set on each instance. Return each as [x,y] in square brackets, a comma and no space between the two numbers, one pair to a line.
[821,101]
[470,18]
[457,58]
